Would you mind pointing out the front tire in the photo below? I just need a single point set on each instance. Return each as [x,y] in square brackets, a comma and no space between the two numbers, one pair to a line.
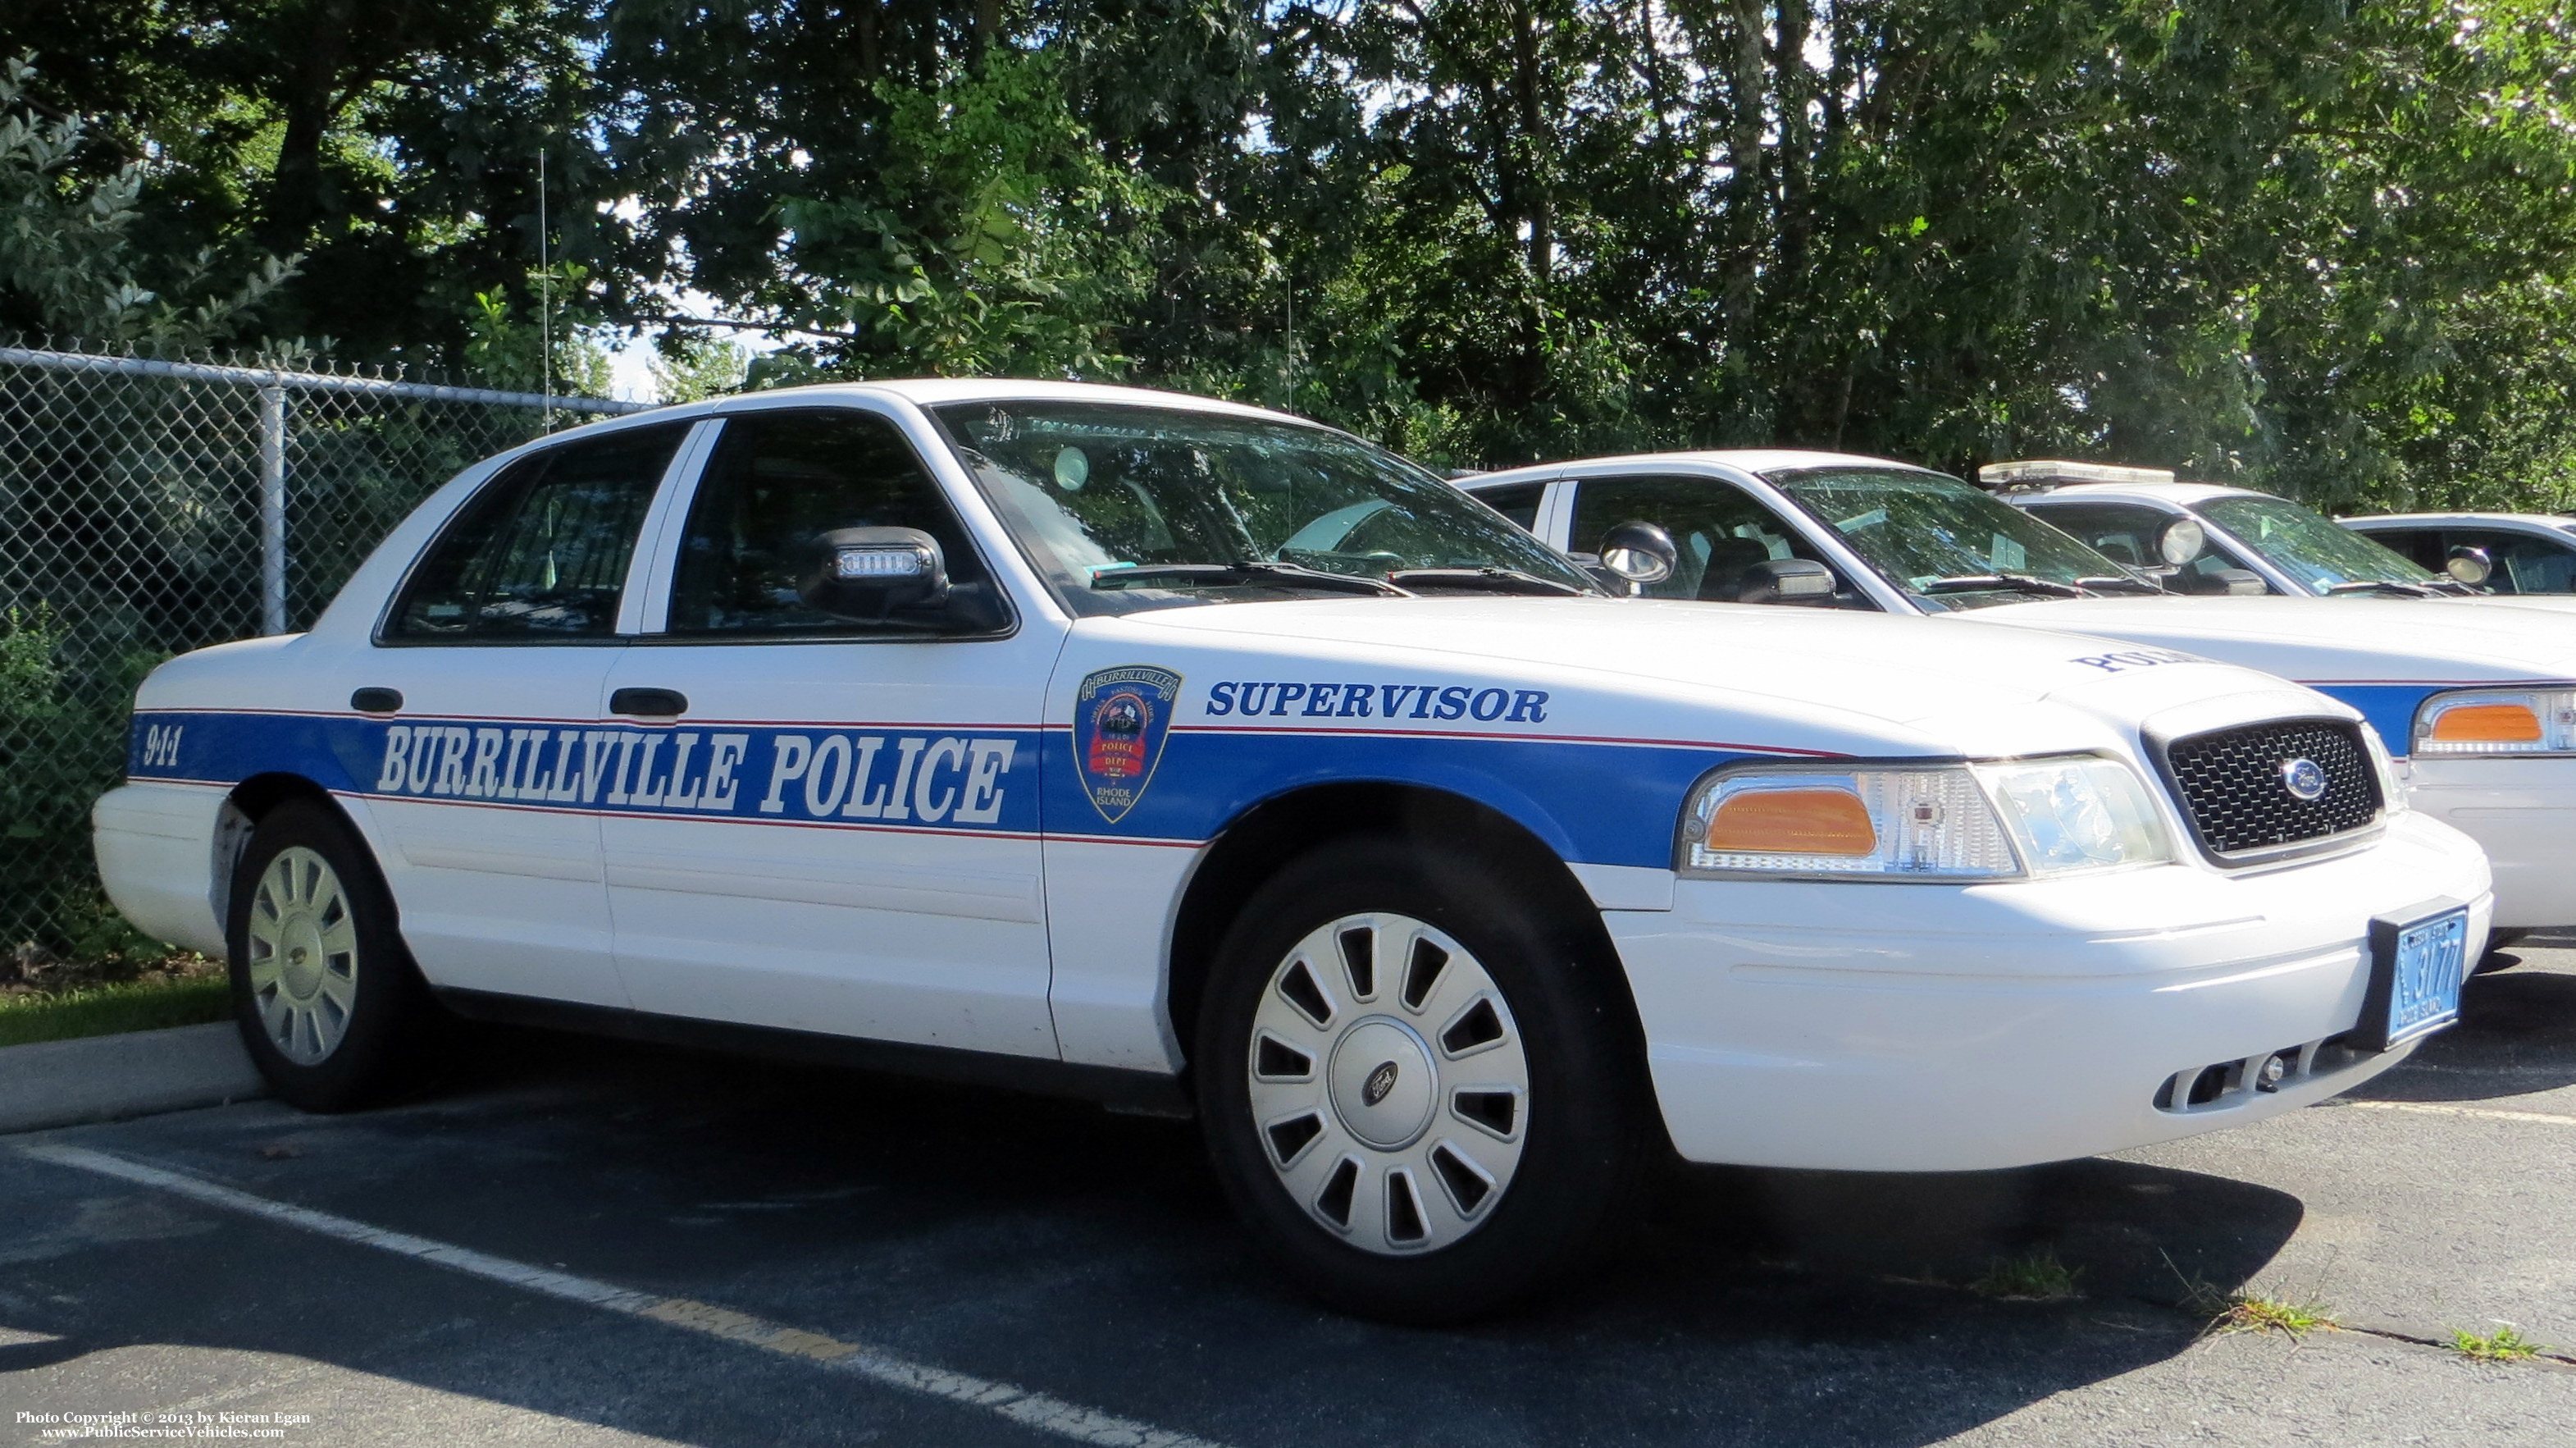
[328,1001]
[1420,1094]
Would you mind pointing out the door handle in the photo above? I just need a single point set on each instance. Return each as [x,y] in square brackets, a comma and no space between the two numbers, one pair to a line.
[377,701]
[649,703]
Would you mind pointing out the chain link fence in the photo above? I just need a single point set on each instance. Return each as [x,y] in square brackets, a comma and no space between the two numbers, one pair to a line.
[153,505]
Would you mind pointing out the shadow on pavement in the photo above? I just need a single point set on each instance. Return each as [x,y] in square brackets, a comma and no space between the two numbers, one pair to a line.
[1051,1245]
[2516,1035]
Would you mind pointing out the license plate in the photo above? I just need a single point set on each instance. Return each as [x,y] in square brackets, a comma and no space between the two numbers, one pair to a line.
[2415,973]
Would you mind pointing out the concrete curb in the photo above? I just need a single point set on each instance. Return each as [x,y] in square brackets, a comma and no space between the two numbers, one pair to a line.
[108,1078]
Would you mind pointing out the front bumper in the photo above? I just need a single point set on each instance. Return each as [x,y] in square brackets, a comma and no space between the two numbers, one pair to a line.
[2524,812]
[1953,1028]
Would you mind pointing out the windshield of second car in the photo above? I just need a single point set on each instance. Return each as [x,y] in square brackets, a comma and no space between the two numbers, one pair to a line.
[1092,489]
[2310,547]
[1925,530]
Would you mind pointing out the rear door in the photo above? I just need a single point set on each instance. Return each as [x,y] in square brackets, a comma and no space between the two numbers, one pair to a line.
[818,824]
[489,772]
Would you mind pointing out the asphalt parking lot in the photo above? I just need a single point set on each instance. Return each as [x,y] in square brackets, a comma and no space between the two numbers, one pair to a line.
[579,1243]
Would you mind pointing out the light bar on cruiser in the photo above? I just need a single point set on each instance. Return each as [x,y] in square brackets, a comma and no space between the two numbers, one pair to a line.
[2053,472]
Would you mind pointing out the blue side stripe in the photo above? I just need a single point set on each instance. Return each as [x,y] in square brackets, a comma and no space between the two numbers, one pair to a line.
[2390,708]
[1613,804]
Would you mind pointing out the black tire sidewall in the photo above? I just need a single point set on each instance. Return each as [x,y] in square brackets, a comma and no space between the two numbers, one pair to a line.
[1580,1163]
[384,1026]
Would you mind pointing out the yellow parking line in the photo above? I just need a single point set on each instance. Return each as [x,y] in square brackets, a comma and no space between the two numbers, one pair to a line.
[2429,1108]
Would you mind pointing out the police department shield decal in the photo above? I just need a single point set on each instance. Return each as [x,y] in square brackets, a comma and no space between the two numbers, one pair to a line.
[1120,718]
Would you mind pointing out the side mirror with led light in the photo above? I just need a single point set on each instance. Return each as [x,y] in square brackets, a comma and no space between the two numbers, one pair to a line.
[2181,540]
[2220,580]
[2471,566]
[866,574]
[1787,580]
[1640,552]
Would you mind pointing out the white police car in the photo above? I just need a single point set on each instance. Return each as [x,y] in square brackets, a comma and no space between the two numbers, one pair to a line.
[1156,749]
[2215,539]
[2478,700]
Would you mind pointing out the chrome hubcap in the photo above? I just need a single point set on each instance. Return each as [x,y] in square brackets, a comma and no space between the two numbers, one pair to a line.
[303,963]
[1389,1083]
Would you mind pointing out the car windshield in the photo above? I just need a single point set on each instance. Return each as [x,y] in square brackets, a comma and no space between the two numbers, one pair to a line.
[1124,507]
[1951,545]
[2311,547]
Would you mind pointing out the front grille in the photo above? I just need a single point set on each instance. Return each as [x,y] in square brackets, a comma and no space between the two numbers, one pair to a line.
[2234,784]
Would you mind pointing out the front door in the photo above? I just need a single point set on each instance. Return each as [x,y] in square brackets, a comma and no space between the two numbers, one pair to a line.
[488,771]
[817,824]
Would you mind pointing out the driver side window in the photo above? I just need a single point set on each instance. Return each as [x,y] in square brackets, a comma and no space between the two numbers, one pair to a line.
[777,480]
[2129,533]
[1718,531]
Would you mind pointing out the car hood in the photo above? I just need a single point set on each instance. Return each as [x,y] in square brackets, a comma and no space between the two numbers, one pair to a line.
[1840,678]
[2559,603]
[2328,640]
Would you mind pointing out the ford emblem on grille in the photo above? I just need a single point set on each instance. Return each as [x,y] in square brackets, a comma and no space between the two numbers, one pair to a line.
[2304,779]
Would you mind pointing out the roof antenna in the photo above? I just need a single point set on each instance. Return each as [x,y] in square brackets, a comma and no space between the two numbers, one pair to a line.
[545,296]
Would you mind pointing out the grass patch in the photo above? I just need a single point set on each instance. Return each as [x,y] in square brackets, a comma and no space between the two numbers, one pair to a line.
[106,1010]
[2035,1276]
[2504,1345]
[2253,1312]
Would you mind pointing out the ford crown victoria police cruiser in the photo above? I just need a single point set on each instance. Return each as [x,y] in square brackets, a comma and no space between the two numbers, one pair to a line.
[1154,748]
[2478,700]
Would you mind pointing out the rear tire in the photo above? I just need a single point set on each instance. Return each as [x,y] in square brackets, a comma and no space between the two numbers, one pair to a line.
[1420,1095]
[327,998]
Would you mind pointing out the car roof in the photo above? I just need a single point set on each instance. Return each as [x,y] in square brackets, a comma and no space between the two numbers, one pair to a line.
[934,392]
[1751,460]
[937,391]
[2551,521]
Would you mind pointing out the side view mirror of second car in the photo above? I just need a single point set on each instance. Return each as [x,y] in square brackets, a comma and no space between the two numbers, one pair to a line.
[1786,580]
[2222,580]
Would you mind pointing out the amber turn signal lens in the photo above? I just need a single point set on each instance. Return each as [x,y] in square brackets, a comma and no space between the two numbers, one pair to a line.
[1792,822]
[2487,724]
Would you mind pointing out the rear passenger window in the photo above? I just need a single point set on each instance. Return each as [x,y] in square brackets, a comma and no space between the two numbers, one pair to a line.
[2423,546]
[541,552]
[778,479]
[1516,501]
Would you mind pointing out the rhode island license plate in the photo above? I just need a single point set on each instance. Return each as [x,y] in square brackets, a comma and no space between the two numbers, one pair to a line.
[2415,977]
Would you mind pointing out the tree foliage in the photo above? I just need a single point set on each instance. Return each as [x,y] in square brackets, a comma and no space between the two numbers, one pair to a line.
[2323,246]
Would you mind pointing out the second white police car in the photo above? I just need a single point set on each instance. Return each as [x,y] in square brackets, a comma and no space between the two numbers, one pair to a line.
[1158,749]
[2477,698]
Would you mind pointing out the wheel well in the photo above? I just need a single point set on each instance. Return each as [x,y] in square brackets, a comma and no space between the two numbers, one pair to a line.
[249,803]
[1280,829]
[260,793]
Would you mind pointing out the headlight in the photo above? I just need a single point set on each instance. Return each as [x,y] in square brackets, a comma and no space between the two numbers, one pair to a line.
[1917,822]
[2079,813]
[2497,722]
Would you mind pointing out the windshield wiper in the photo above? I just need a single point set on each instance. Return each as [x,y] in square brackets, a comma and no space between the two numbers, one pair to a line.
[1484,580]
[1249,571]
[1981,582]
[2385,585]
